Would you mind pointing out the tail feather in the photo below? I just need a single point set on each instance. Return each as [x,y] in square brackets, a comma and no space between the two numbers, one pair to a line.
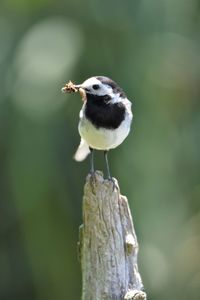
[82,151]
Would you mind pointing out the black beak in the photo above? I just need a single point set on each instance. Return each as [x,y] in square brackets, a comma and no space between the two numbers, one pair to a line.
[79,86]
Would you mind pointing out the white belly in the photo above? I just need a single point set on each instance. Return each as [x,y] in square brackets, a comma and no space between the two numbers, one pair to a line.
[104,139]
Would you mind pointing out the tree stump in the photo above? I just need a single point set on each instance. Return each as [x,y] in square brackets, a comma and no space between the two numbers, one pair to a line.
[108,245]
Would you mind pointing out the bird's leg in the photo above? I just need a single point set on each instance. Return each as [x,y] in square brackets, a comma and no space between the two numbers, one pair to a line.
[107,165]
[92,161]
[108,170]
[92,172]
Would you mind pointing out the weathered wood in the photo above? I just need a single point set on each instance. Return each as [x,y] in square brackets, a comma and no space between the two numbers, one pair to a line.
[108,245]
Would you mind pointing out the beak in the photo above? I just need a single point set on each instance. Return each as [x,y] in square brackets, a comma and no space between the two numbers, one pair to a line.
[78,86]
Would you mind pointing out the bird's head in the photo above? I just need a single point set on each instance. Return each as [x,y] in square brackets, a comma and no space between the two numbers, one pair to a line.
[101,86]
[97,88]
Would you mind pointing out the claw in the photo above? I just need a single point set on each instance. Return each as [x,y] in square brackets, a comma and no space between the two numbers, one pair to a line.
[114,184]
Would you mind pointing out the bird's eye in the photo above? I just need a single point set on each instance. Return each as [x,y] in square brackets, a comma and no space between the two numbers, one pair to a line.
[96,86]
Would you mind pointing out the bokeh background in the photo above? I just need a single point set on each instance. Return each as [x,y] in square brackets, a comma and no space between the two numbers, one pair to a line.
[152,49]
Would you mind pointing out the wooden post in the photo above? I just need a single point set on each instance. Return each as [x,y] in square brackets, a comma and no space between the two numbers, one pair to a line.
[108,245]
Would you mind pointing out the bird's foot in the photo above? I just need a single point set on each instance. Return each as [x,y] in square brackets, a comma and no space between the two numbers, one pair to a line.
[92,177]
[114,183]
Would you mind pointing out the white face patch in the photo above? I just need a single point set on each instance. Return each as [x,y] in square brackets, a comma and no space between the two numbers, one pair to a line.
[91,85]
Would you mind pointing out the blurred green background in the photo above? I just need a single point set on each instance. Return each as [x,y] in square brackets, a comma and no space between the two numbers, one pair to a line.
[152,49]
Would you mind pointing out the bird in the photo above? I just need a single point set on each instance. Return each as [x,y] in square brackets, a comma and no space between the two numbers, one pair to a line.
[104,119]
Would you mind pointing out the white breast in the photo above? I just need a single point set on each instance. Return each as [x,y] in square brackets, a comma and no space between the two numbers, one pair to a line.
[105,139]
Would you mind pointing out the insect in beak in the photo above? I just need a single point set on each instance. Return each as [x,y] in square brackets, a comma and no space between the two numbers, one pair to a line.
[73,88]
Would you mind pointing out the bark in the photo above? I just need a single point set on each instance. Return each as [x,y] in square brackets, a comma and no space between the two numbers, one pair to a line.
[108,244]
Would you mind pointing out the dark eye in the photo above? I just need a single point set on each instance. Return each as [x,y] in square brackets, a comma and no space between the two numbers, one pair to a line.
[96,86]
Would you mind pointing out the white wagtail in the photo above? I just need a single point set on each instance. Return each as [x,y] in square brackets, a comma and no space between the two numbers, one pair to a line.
[105,117]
